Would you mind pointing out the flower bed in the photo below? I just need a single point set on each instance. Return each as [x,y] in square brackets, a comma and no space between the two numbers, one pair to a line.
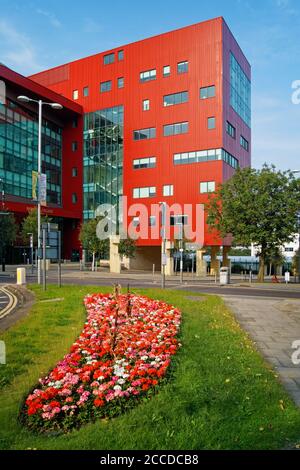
[123,352]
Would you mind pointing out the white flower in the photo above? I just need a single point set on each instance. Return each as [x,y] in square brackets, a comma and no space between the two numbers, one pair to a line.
[117,387]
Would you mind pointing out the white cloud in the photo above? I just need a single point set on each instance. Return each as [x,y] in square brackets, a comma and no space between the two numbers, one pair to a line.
[16,49]
[54,21]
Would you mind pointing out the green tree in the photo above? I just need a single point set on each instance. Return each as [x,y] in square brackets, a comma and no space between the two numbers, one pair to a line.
[90,241]
[8,233]
[296,263]
[257,206]
[29,225]
[127,247]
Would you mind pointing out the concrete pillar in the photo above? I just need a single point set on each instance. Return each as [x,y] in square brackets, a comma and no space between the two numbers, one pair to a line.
[169,269]
[214,263]
[201,264]
[114,257]
[226,262]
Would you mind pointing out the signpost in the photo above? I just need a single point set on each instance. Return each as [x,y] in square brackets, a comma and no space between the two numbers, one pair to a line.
[51,249]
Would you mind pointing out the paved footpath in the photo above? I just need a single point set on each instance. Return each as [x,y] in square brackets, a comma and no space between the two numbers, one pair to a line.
[274,324]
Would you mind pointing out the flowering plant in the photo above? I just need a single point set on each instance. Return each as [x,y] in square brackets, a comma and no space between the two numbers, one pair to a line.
[123,352]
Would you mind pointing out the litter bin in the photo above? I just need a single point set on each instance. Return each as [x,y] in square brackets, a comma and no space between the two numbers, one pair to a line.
[224,276]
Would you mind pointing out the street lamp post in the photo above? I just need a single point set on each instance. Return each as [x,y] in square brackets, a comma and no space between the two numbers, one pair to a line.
[298,218]
[163,237]
[26,99]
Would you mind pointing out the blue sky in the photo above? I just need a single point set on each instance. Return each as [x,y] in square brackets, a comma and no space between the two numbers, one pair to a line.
[37,35]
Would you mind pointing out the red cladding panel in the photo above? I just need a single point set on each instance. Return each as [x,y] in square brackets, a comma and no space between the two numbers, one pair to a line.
[206,47]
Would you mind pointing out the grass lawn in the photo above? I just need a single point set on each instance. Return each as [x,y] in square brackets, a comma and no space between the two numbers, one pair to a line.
[221,395]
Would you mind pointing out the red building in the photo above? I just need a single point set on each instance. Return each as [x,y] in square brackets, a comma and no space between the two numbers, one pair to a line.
[165,119]
[18,157]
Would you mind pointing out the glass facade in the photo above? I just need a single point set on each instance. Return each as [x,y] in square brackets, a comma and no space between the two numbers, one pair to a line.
[103,159]
[19,152]
[240,91]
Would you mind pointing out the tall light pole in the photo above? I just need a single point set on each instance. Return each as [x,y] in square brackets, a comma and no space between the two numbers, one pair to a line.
[26,99]
[163,238]
[298,218]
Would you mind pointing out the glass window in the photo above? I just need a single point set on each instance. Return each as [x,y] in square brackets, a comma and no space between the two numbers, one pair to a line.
[144,192]
[105,86]
[108,59]
[178,219]
[121,54]
[74,198]
[244,143]
[168,190]
[207,187]
[176,98]
[175,129]
[148,75]
[182,67]
[146,105]
[166,71]
[207,92]
[136,221]
[230,129]
[121,82]
[75,123]
[74,171]
[147,162]
[211,123]
[86,91]
[204,156]
[141,134]
[152,220]
[75,94]
[74,146]
[240,91]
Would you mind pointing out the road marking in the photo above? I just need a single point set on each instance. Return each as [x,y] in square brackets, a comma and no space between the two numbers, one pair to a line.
[11,304]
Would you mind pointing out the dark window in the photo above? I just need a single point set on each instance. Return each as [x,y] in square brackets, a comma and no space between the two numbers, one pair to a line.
[182,67]
[105,86]
[244,143]
[108,59]
[74,198]
[74,171]
[142,134]
[178,219]
[121,55]
[207,92]
[74,146]
[86,91]
[230,129]
[121,82]
[75,123]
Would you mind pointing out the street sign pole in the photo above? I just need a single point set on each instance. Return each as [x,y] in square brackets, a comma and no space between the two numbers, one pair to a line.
[59,258]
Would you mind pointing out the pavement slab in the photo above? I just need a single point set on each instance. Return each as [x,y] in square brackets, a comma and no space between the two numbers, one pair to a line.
[274,325]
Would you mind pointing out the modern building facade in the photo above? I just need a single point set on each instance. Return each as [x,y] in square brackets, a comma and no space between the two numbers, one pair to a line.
[166,119]
[60,162]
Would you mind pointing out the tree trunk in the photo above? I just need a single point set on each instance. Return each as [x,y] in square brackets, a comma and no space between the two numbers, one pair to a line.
[93,262]
[261,272]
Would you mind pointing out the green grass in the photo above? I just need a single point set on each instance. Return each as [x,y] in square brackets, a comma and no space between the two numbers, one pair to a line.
[221,395]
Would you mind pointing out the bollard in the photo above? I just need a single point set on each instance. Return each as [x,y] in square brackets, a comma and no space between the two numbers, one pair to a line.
[21,276]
